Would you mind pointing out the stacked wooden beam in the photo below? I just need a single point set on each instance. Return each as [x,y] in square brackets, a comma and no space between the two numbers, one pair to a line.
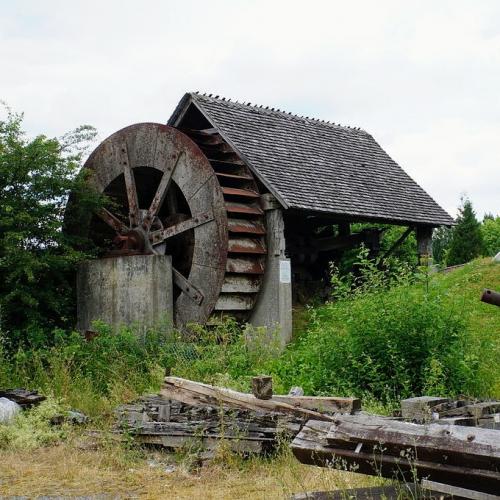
[467,412]
[174,424]
[450,454]
[23,397]
[190,413]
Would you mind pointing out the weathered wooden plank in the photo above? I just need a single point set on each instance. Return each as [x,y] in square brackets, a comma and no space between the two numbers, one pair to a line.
[420,408]
[477,410]
[234,177]
[447,443]
[235,283]
[246,226]
[311,446]
[244,265]
[246,245]
[243,193]
[403,490]
[322,404]
[195,393]
[234,302]
[238,445]
[455,491]
[241,208]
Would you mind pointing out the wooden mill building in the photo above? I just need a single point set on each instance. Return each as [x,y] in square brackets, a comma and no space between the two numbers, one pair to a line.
[242,205]
[319,175]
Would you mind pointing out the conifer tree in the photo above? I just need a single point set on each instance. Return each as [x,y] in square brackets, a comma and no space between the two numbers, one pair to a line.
[466,241]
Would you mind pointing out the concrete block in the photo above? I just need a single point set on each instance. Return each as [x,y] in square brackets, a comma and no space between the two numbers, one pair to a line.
[125,290]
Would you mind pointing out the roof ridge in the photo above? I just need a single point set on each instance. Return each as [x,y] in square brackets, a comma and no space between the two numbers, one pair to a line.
[268,110]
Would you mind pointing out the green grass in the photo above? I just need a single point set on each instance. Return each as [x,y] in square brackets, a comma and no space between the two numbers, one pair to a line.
[429,337]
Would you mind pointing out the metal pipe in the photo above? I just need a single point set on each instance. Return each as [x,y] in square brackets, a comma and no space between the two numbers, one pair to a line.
[491,297]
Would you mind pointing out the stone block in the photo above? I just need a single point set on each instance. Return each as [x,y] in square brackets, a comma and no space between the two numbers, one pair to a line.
[124,291]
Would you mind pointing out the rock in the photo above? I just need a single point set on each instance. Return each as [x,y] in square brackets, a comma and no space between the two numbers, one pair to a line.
[296,391]
[71,417]
[8,410]
[77,417]
[496,258]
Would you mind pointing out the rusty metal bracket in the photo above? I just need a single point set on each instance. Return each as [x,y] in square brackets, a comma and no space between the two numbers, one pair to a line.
[188,288]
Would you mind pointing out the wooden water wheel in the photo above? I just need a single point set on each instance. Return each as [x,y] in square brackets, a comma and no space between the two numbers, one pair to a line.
[197,202]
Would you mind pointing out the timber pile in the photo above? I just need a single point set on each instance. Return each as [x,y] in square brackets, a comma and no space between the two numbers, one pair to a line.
[188,414]
[450,454]
[466,412]
[23,397]
[174,424]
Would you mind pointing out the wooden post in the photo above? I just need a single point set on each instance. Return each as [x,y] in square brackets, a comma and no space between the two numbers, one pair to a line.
[273,308]
[424,244]
[344,229]
[262,387]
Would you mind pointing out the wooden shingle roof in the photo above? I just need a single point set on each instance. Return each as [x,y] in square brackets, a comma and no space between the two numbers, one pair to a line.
[318,166]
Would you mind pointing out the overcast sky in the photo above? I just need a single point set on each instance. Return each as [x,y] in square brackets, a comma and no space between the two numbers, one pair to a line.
[423,77]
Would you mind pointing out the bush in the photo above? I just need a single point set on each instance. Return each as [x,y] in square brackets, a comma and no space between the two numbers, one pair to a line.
[388,339]
[33,428]
[490,230]
[37,259]
[90,375]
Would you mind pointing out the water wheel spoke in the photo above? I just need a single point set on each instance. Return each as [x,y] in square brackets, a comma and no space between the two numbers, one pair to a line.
[187,287]
[157,237]
[112,221]
[160,192]
[133,203]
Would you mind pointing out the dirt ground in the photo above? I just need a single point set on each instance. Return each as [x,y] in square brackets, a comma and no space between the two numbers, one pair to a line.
[68,470]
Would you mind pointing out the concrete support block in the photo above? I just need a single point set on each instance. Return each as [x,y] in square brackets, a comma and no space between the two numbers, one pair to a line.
[274,304]
[125,290]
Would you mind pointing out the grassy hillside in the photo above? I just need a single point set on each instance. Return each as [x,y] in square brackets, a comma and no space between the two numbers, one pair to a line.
[433,336]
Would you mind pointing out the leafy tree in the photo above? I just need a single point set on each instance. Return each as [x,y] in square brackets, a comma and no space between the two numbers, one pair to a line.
[490,230]
[441,240]
[466,241]
[37,258]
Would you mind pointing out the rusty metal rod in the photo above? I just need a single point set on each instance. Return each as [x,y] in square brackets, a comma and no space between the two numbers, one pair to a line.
[491,297]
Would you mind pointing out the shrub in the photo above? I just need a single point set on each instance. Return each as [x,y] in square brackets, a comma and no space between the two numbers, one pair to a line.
[37,258]
[490,230]
[387,338]
[90,375]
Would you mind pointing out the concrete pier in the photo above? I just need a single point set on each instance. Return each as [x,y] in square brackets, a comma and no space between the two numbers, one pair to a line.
[125,290]
[274,304]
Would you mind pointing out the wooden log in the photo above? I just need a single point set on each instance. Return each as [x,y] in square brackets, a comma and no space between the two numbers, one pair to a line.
[449,444]
[196,393]
[397,492]
[315,445]
[262,387]
[476,410]
[322,404]
[22,397]
[455,492]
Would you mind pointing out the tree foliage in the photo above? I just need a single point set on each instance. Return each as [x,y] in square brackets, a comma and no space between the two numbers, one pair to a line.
[490,230]
[466,241]
[441,240]
[36,257]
